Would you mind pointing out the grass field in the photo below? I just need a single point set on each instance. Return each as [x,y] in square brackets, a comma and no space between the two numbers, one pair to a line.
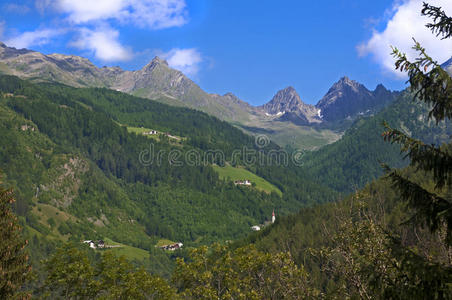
[287,133]
[128,251]
[239,173]
[163,242]
[44,212]
[141,130]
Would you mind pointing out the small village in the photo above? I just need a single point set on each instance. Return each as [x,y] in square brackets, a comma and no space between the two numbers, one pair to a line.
[171,247]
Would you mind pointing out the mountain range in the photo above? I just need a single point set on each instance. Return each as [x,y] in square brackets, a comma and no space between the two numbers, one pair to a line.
[78,146]
[286,119]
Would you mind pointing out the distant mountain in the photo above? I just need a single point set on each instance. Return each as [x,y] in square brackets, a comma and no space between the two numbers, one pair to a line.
[348,98]
[288,105]
[285,119]
[156,80]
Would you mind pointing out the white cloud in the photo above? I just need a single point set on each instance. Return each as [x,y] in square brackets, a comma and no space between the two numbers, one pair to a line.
[154,14]
[82,11]
[157,14]
[97,24]
[33,38]
[405,23]
[103,42]
[185,60]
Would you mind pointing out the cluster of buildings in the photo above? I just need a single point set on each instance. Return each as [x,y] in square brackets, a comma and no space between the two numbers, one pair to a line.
[151,132]
[27,127]
[172,247]
[155,132]
[95,244]
[258,227]
[245,182]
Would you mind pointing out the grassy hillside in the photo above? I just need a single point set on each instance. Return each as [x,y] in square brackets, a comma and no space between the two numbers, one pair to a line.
[239,173]
[294,136]
[131,253]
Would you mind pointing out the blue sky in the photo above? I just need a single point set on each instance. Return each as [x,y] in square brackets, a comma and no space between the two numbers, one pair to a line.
[251,48]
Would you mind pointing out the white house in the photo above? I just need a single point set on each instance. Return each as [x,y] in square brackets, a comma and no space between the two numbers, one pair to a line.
[152,132]
[92,245]
[95,244]
[172,247]
[242,182]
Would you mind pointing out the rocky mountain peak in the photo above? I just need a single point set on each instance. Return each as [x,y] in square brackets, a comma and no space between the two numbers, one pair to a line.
[2,45]
[348,98]
[231,96]
[289,89]
[381,90]
[346,82]
[286,99]
[287,95]
[288,106]
[380,87]
[156,61]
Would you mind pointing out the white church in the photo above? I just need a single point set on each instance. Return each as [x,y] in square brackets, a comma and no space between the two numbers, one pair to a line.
[258,227]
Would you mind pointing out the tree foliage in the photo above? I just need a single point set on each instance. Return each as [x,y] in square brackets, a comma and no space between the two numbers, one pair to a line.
[245,273]
[72,275]
[433,86]
[368,262]
[14,268]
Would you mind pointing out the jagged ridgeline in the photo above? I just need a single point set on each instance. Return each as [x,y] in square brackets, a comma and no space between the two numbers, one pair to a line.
[73,157]
[286,119]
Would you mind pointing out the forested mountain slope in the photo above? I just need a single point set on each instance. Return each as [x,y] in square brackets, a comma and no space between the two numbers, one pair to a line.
[67,153]
[356,158]
[312,230]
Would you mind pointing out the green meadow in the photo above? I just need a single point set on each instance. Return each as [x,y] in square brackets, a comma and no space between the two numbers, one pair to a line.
[240,173]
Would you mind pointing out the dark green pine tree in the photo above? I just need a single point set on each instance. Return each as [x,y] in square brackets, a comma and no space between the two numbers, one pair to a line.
[433,85]
[14,267]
